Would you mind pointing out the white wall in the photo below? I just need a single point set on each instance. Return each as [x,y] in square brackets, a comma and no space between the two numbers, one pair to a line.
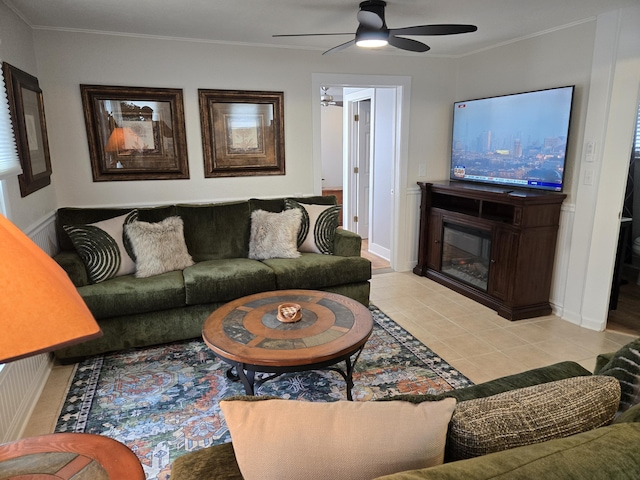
[556,59]
[610,124]
[21,381]
[559,58]
[601,57]
[17,49]
[66,60]
[331,148]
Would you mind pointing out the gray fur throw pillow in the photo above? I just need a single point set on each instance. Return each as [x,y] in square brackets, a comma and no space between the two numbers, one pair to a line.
[274,235]
[158,247]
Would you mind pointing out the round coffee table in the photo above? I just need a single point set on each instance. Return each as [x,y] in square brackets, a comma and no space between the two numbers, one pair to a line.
[74,456]
[247,334]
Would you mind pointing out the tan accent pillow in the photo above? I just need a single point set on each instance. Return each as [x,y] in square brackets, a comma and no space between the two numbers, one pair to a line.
[158,247]
[294,440]
[532,415]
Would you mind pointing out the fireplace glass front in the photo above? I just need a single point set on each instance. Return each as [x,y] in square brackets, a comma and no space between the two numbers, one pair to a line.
[466,254]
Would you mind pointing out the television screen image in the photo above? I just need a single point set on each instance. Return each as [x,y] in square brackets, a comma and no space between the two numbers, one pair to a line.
[517,140]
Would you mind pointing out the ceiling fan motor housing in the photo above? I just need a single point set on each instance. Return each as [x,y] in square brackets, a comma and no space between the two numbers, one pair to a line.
[374,6]
[371,23]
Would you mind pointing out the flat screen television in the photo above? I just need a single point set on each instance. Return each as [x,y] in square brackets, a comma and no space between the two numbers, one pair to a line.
[517,140]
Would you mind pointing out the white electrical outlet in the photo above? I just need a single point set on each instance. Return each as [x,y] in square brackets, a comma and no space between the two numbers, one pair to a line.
[422,170]
[588,177]
[589,151]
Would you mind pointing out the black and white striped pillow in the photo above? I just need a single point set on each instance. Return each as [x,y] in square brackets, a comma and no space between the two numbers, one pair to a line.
[318,226]
[103,247]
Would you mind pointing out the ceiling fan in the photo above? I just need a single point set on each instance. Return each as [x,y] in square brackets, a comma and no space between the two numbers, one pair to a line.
[373,31]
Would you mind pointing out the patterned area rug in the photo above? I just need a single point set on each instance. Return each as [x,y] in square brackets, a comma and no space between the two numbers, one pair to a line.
[162,402]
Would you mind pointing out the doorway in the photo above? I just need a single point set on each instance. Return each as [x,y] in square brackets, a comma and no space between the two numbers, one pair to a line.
[366,165]
[347,156]
[391,195]
[625,301]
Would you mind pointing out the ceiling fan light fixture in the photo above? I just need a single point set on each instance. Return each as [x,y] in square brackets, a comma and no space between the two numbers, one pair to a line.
[372,43]
[326,100]
[372,39]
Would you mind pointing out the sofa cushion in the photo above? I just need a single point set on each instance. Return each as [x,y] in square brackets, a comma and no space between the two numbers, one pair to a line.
[605,453]
[286,440]
[625,366]
[532,415]
[128,295]
[318,226]
[158,247]
[316,271]
[226,279]
[216,231]
[102,246]
[274,235]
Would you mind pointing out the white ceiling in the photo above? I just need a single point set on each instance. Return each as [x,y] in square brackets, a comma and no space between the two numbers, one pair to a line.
[255,21]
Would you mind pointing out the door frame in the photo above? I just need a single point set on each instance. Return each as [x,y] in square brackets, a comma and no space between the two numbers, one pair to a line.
[402,258]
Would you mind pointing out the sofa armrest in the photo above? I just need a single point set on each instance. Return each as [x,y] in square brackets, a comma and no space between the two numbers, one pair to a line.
[74,267]
[346,243]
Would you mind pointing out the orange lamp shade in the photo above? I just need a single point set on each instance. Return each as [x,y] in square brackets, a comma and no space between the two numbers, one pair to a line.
[122,139]
[40,309]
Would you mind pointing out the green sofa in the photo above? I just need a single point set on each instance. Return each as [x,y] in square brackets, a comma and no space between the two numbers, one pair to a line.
[608,452]
[137,312]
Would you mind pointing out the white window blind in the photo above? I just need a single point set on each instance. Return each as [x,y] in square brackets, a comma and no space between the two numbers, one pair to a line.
[637,142]
[9,161]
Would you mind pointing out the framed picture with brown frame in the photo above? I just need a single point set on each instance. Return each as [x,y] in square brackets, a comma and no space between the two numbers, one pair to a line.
[135,133]
[242,132]
[30,129]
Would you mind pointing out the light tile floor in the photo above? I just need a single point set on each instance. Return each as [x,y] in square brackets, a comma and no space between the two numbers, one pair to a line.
[471,337]
[478,342]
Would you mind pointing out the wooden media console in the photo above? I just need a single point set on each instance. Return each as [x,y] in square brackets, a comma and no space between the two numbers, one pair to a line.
[493,244]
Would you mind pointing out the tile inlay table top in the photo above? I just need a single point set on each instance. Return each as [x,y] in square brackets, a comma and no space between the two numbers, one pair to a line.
[247,334]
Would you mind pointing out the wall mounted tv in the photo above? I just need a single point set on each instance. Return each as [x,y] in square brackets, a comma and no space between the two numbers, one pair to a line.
[517,140]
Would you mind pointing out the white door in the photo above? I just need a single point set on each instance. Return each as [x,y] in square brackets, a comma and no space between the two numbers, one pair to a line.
[363,165]
[358,141]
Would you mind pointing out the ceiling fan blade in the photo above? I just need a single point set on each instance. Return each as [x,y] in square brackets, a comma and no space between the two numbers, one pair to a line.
[342,46]
[310,34]
[445,29]
[408,44]
[370,19]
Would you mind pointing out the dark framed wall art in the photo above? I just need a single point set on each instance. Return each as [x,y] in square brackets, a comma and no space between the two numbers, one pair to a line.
[30,129]
[242,132]
[135,133]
